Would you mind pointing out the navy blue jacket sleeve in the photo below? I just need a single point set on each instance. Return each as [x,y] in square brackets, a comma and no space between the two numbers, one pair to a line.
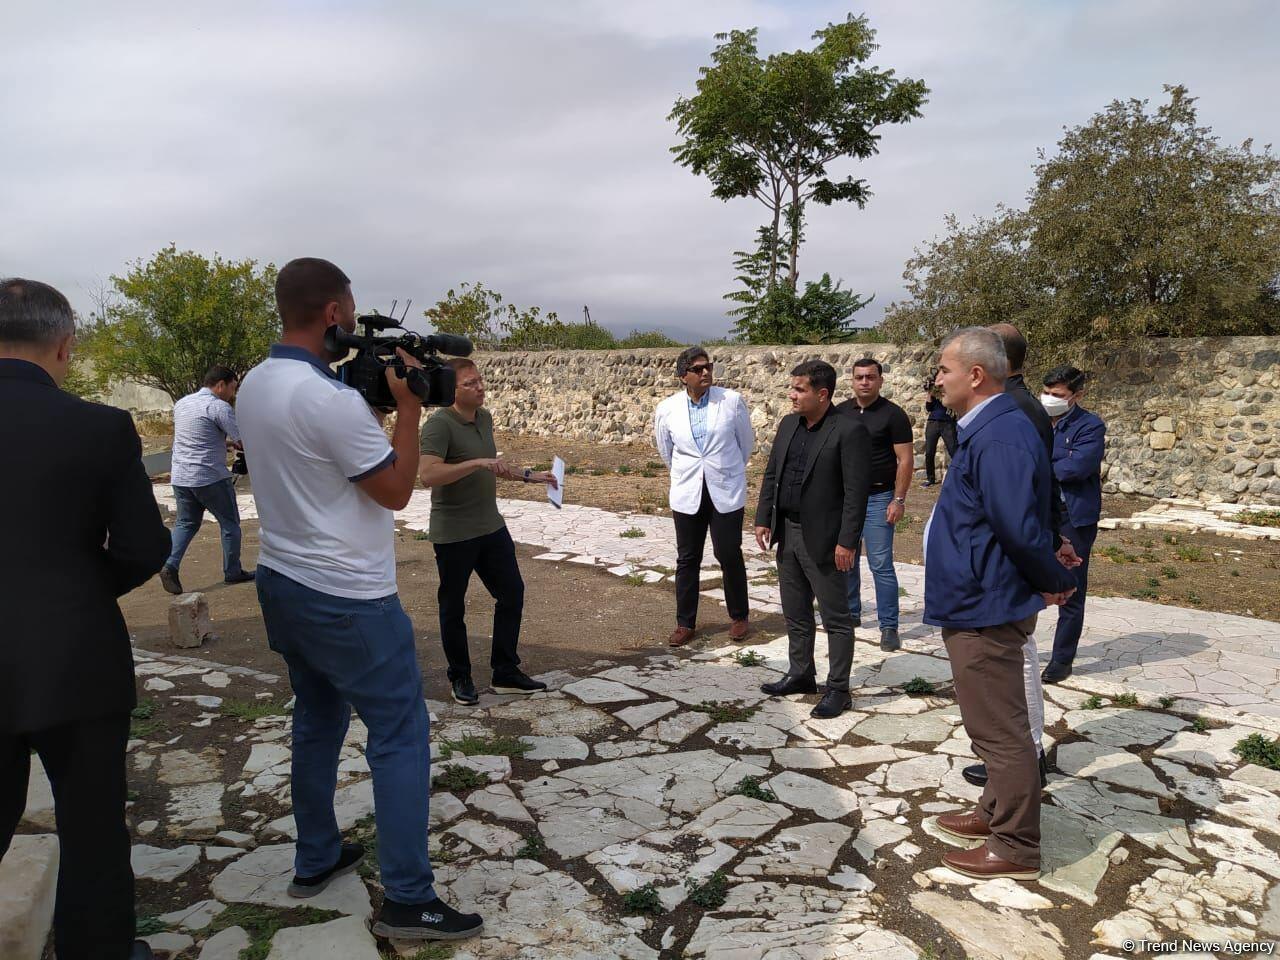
[1007,485]
[1085,459]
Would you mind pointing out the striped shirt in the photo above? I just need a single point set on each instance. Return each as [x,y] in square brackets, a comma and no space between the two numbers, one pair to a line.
[202,425]
[698,420]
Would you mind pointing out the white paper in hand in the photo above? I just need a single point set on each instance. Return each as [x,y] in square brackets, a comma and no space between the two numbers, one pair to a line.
[555,495]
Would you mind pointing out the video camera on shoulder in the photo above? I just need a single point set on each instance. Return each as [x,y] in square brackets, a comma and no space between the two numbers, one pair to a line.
[375,352]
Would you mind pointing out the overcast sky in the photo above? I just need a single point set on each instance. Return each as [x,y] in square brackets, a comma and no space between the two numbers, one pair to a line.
[525,144]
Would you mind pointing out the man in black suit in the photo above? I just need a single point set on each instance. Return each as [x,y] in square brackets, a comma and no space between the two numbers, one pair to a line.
[812,505]
[79,527]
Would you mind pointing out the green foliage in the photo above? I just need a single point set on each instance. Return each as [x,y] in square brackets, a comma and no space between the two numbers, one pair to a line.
[710,893]
[534,848]
[147,925]
[145,710]
[1169,573]
[1165,702]
[747,658]
[254,709]
[422,535]
[1199,724]
[457,777]
[1258,518]
[365,832]
[643,900]
[1146,593]
[1195,599]
[263,923]
[768,128]
[1094,702]
[750,787]
[1258,750]
[725,712]
[1141,225]
[472,745]
[918,686]
[632,533]
[472,311]
[178,314]
[777,314]
[640,339]
[1125,700]
[141,724]
[1191,553]
[1117,554]
[636,579]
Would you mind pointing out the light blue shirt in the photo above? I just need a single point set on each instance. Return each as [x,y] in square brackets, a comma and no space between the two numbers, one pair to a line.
[202,425]
[960,425]
[698,419]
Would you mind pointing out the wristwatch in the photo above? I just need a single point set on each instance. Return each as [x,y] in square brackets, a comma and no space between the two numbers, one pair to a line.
[900,500]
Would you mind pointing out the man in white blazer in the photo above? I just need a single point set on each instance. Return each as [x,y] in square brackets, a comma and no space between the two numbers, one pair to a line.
[704,435]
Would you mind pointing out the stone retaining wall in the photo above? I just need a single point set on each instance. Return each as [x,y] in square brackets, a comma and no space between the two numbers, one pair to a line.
[1195,418]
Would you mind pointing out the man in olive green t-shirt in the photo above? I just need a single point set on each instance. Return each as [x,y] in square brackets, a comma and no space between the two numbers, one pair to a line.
[460,465]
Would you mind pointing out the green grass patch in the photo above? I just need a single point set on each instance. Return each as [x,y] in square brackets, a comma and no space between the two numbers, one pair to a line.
[643,900]
[421,535]
[1199,724]
[725,712]
[141,720]
[747,658]
[1145,593]
[1191,553]
[1169,573]
[624,469]
[1165,702]
[750,787]
[146,926]
[635,579]
[902,592]
[145,710]
[710,893]
[365,831]
[1258,518]
[1195,599]
[454,776]
[1125,700]
[476,746]
[1093,703]
[1118,554]
[253,709]
[631,533]
[1258,750]
[263,923]
[535,848]
[918,687]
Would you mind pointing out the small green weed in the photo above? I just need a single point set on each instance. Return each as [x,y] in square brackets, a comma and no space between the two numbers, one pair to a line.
[263,923]
[1093,703]
[725,712]
[643,900]
[253,709]
[1117,554]
[750,787]
[569,469]
[902,592]
[918,686]
[457,777]
[1199,724]
[535,848]
[1235,573]
[421,535]
[472,745]
[748,658]
[1165,702]
[146,926]
[1170,539]
[624,469]
[710,893]
[1195,599]
[145,710]
[1258,518]
[1258,750]
[1125,700]
[1153,582]
[1190,553]
[1169,573]
[1146,593]
[631,533]
[365,832]
[635,579]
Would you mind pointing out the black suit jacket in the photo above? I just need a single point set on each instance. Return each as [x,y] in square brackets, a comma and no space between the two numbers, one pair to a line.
[79,527]
[833,499]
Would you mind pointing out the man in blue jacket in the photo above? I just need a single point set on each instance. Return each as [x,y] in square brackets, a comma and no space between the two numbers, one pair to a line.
[1079,441]
[990,568]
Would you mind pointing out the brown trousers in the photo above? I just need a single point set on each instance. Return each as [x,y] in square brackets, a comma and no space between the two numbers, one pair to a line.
[987,666]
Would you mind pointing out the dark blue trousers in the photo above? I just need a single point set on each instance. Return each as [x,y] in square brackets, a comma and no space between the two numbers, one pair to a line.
[1071,613]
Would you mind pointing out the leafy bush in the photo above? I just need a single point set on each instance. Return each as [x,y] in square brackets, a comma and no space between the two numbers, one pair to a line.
[710,893]
[918,686]
[750,787]
[643,900]
[535,848]
[457,777]
[1258,750]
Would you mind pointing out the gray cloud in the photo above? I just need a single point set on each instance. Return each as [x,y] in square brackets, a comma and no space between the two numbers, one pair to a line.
[526,145]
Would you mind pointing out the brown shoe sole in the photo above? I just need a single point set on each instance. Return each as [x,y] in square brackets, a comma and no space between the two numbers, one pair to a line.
[673,641]
[961,836]
[1018,874]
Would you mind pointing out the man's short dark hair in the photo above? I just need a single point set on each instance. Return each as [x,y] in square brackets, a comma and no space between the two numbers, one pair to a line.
[686,358]
[1015,345]
[33,312]
[304,287]
[1072,377]
[821,374]
[219,374]
[458,364]
[869,362]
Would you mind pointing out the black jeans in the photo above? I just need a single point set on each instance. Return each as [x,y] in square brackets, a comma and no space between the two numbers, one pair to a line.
[93,918]
[492,558]
[933,429]
[726,543]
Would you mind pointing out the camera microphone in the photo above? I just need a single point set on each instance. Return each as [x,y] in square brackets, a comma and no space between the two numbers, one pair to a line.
[450,343]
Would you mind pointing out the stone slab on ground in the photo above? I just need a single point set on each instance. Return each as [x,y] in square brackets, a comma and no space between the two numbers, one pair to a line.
[225,944]
[189,623]
[28,882]
[263,875]
[344,939]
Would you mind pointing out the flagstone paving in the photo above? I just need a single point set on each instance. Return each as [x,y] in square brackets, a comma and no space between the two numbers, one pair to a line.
[757,832]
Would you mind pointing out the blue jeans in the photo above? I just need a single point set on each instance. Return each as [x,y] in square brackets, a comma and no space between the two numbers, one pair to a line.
[354,653]
[220,500]
[877,537]
[1066,638]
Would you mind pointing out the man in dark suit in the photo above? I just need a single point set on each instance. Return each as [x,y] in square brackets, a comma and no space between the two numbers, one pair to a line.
[79,527]
[812,505]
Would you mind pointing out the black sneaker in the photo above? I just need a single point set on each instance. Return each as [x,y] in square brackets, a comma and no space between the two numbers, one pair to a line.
[889,640]
[434,920]
[464,692]
[517,682]
[169,580]
[348,860]
[244,576]
[832,704]
[1055,672]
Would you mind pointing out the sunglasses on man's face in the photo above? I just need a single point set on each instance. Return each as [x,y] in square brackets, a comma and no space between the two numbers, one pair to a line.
[701,368]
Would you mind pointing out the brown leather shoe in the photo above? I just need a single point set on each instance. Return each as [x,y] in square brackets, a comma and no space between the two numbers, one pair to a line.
[965,826]
[738,630]
[680,636]
[985,865]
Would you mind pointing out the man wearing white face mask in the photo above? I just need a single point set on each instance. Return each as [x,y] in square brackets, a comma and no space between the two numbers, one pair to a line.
[1079,440]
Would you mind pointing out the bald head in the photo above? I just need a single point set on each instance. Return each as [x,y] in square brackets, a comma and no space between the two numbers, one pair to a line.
[1015,345]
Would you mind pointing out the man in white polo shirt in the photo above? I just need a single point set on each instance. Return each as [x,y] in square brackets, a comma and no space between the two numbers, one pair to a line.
[326,482]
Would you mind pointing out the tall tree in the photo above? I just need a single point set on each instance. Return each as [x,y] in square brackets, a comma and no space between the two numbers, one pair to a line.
[770,128]
[180,313]
[1141,224]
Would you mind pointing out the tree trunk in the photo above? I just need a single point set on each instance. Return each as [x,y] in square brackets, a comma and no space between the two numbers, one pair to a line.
[794,274]
[773,239]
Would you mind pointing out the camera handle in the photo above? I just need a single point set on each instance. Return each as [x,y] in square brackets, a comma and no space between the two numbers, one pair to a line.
[417,382]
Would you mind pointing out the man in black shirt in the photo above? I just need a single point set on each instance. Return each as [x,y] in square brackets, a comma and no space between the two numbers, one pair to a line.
[812,503]
[892,460]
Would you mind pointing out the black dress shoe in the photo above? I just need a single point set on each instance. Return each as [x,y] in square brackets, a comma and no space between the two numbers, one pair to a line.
[464,692]
[517,682]
[244,576]
[832,704]
[169,580]
[1055,672]
[348,859]
[789,685]
[977,774]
